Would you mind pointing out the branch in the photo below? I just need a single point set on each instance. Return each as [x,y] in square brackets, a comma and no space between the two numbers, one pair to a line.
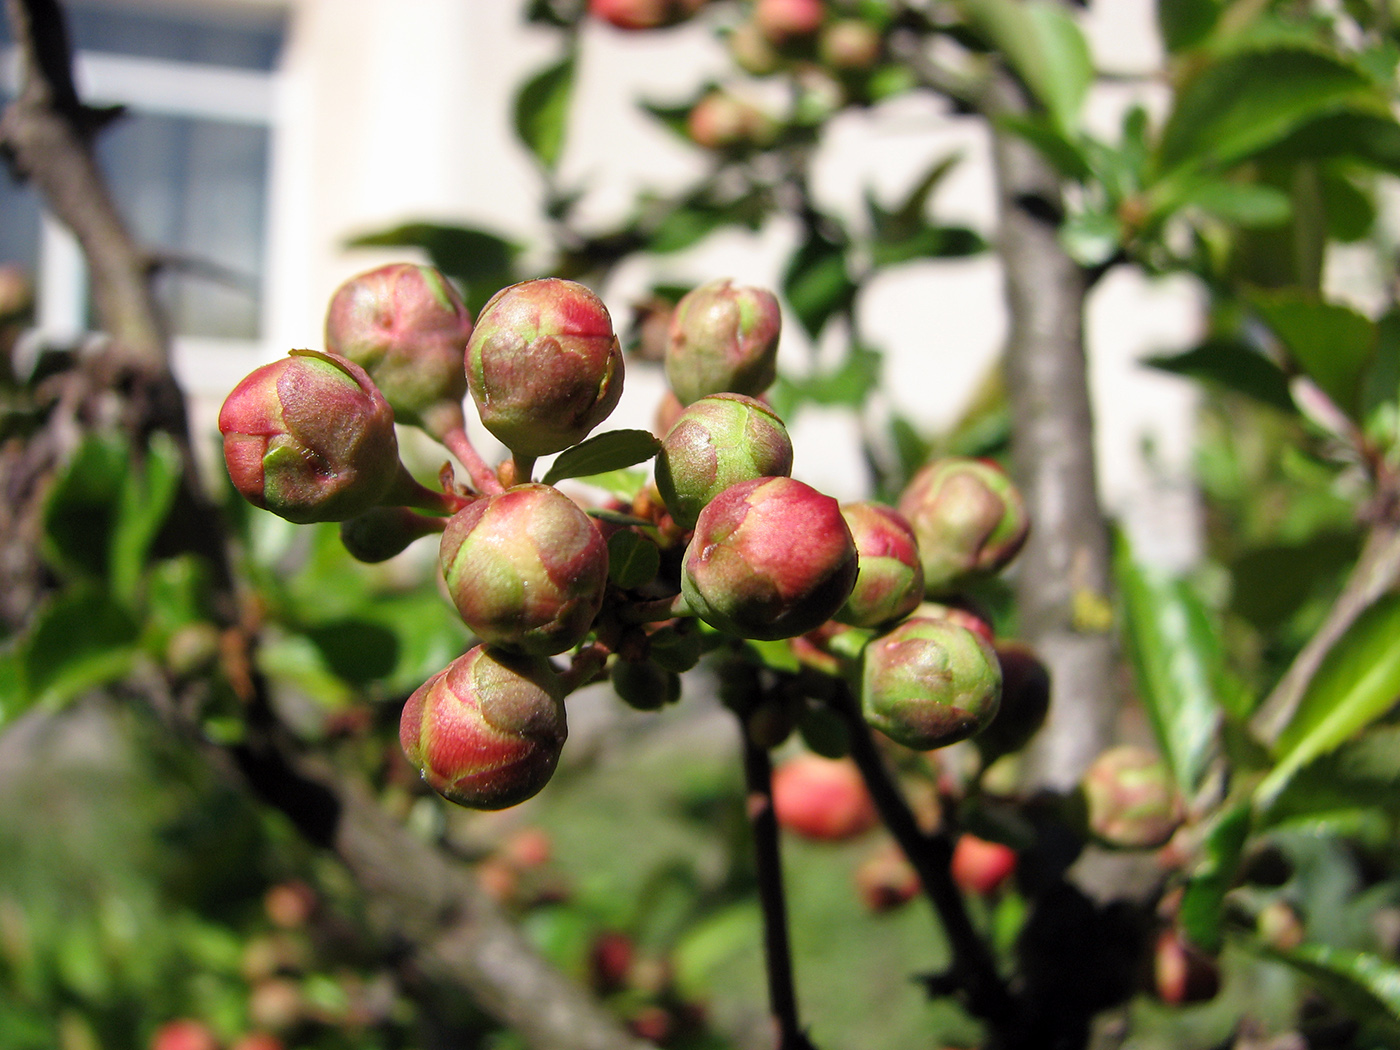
[782,998]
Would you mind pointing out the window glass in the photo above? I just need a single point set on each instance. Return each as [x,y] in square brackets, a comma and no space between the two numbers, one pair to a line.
[19,218]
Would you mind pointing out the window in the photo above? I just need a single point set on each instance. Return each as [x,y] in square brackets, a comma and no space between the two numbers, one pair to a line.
[188,165]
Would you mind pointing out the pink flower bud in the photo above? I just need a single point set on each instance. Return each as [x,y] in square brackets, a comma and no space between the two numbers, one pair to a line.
[716,442]
[770,558]
[822,798]
[1130,800]
[784,20]
[643,14]
[543,366]
[890,583]
[486,731]
[723,339]
[850,44]
[526,569]
[969,518]
[408,328]
[723,121]
[310,438]
[929,683]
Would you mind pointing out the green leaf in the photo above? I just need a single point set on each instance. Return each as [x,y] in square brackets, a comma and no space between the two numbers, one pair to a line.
[146,497]
[603,452]
[633,560]
[1062,150]
[928,242]
[817,284]
[850,384]
[1371,139]
[624,484]
[356,650]
[677,117]
[1365,984]
[1186,23]
[1091,237]
[909,215]
[81,639]
[1333,344]
[1251,100]
[1203,903]
[686,225]
[1357,683]
[542,110]
[81,510]
[1235,366]
[1178,660]
[1248,204]
[1045,47]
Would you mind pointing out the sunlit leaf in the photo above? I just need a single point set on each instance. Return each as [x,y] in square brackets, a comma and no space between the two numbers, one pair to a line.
[81,509]
[1248,204]
[481,261]
[1358,682]
[1045,47]
[80,640]
[817,284]
[542,110]
[601,453]
[1365,984]
[1332,343]
[1203,903]
[146,497]
[848,385]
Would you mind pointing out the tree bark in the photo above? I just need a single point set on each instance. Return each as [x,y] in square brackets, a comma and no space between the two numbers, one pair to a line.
[1065,566]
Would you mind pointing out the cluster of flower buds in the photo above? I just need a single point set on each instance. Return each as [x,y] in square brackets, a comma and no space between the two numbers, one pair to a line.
[726,536]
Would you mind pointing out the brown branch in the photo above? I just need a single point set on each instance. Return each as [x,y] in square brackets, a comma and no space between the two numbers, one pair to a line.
[1065,564]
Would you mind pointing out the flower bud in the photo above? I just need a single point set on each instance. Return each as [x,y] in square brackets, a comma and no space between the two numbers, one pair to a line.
[382,532]
[886,880]
[785,20]
[770,558]
[969,518]
[723,121]
[643,14]
[310,438]
[645,686]
[850,44]
[723,340]
[980,866]
[1181,972]
[719,441]
[1130,801]
[929,683]
[822,798]
[543,365]
[486,731]
[890,583]
[1025,701]
[526,569]
[751,50]
[408,328]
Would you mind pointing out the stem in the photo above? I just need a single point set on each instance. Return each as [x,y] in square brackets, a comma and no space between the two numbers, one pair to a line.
[782,998]
[408,492]
[483,478]
[524,468]
[659,609]
[931,855]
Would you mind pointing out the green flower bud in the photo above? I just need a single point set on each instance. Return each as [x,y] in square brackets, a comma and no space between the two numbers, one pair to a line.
[645,686]
[969,518]
[310,438]
[543,365]
[408,328]
[486,731]
[890,583]
[929,683]
[526,569]
[723,340]
[770,558]
[1130,800]
[718,441]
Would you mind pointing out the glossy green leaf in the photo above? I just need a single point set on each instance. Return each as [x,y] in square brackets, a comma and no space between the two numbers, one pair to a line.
[1248,204]
[1234,366]
[1357,683]
[1372,139]
[80,640]
[817,284]
[613,450]
[928,242]
[1332,343]
[1203,902]
[1045,47]
[849,385]
[909,215]
[1252,99]
[81,510]
[1176,654]
[633,560]
[146,497]
[542,110]
[1186,23]
[1365,984]
[1062,150]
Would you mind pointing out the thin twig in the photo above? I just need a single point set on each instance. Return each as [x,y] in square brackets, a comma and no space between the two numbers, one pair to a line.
[782,998]
[483,478]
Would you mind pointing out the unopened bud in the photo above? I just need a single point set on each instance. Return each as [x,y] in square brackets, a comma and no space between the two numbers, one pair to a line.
[724,339]
[1130,800]
[645,686]
[850,44]
[486,731]
[929,683]
[526,569]
[783,21]
[719,441]
[890,583]
[770,558]
[1025,701]
[543,365]
[310,438]
[634,15]
[969,518]
[723,121]
[822,798]
[408,328]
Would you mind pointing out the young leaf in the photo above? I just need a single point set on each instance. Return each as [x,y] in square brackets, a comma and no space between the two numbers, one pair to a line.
[603,452]
[1357,683]
[1248,204]
[80,640]
[542,110]
[625,484]
[1252,99]
[817,284]
[1234,366]
[1177,656]
[146,498]
[1186,23]
[1203,903]
[1365,984]
[1333,344]
[1046,49]
[633,560]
